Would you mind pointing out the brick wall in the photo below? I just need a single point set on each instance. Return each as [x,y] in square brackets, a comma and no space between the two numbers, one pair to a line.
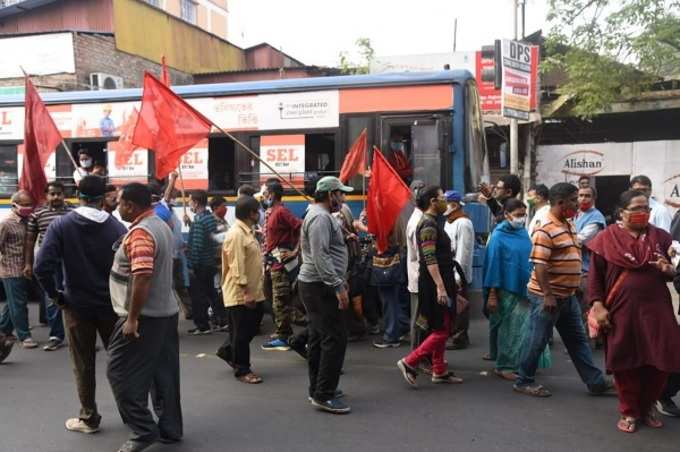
[98,53]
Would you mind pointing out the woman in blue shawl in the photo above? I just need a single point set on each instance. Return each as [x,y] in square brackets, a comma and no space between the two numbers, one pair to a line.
[506,274]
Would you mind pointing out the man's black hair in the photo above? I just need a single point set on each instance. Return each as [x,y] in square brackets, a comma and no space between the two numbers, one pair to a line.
[561,191]
[91,188]
[245,205]
[216,202]
[276,189]
[426,195]
[511,182]
[592,189]
[156,188]
[584,178]
[201,197]
[54,184]
[84,151]
[246,190]
[642,180]
[543,191]
[136,193]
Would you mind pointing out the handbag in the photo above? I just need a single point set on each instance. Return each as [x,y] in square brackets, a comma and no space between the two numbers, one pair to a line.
[386,269]
[593,327]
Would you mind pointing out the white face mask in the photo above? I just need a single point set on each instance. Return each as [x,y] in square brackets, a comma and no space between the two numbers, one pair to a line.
[87,163]
[518,223]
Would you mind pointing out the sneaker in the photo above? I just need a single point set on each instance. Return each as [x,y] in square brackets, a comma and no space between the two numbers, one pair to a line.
[334,406]
[276,344]
[447,378]
[78,425]
[606,389]
[338,394]
[408,372]
[386,344]
[668,408]
[199,332]
[29,343]
[374,330]
[53,344]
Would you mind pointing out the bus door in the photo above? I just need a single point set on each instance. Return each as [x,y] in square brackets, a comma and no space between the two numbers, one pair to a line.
[416,146]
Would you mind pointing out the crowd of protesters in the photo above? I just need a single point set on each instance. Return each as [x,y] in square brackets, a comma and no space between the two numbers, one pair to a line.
[119,266]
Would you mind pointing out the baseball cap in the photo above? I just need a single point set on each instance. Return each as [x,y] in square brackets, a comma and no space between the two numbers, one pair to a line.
[454,196]
[331,183]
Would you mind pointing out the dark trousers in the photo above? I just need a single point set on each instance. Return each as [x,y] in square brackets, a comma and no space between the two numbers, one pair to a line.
[243,324]
[327,339]
[82,327]
[204,295]
[672,387]
[147,365]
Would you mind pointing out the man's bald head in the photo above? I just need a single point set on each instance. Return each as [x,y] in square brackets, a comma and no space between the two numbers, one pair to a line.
[23,198]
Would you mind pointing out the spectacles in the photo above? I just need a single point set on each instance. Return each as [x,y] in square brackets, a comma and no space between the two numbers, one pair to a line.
[639,209]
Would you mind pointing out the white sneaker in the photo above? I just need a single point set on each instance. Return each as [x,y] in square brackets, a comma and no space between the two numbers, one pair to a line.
[78,425]
[29,343]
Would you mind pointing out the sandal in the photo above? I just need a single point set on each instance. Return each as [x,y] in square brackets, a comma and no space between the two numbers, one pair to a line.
[532,390]
[508,376]
[250,379]
[487,357]
[627,424]
[652,420]
[448,378]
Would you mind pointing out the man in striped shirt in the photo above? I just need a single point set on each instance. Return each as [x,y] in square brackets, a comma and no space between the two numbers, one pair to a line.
[556,256]
[38,223]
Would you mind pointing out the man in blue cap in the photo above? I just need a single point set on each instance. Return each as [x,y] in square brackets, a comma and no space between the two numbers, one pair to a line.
[462,234]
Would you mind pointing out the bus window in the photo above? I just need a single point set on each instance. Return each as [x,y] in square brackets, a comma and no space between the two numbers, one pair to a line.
[8,169]
[65,169]
[477,160]
[320,155]
[248,166]
[354,127]
[221,165]
[426,155]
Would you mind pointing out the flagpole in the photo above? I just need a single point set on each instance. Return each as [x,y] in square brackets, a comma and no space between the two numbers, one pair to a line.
[363,176]
[257,157]
[70,157]
[181,188]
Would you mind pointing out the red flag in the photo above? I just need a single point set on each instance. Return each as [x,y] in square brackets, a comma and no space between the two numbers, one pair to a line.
[168,125]
[165,75]
[124,147]
[41,138]
[387,196]
[355,161]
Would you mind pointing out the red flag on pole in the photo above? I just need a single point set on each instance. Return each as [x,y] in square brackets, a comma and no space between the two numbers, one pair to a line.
[355,161]
[168,125]
[124,147]
[387,196]
[41,138]
[165,75]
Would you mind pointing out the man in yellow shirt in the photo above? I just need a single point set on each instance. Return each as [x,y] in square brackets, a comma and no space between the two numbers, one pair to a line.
[242,288]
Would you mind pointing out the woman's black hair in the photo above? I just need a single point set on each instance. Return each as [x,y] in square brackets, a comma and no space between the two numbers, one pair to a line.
[513,204]
[426,195]
[625,200]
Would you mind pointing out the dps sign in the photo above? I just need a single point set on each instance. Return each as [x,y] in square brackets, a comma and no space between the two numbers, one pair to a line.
[520,79]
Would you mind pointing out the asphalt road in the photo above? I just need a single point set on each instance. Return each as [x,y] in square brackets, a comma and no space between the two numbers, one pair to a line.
[38,394]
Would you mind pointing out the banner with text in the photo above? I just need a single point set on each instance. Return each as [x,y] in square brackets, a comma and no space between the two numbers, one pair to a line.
[286,154]
[520,79]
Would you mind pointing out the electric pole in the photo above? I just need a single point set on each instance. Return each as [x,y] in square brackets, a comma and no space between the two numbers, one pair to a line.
[514,144]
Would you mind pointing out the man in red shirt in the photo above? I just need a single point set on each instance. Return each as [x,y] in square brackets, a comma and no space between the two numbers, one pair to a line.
[281,250]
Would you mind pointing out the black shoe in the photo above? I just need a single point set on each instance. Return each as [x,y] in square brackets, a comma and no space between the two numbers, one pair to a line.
[334,406]
[199,332]
[134,446]
[668,408]
[222,354]
[167,440]
[386,344]
[6,344]
[602,389]
[300,349]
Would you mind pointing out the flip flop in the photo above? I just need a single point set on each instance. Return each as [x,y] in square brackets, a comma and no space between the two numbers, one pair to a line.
[532,390]
[651,420]
[250,379]
[508,376]
[627,424]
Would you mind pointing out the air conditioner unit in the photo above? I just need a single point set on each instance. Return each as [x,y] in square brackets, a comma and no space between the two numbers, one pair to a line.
[99,80]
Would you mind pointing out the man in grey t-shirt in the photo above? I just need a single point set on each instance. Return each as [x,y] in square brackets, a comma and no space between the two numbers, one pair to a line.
[324,292]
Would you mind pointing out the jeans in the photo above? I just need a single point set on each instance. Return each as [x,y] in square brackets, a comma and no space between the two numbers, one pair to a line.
[396,319]
[147,366]
[54,317]
[327,339]
[569,323]
[204,295]
[15,314]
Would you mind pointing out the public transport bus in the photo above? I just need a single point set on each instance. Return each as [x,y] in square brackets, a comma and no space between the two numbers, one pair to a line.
[301,127]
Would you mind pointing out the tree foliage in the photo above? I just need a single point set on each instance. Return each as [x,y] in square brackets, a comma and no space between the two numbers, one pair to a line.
[612,49]
[364,52]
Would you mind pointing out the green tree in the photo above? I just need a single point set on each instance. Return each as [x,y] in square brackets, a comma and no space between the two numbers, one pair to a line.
[365,53]
[612,49]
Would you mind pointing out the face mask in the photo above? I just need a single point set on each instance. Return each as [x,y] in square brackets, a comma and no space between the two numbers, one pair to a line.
[569,212]
[518,223]
[22,211]
[639,218]
[586,206]
[531,202]
[86,163]
[266,203]
[335,204]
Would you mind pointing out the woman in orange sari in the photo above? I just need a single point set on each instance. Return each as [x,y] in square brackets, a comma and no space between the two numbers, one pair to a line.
[631,303]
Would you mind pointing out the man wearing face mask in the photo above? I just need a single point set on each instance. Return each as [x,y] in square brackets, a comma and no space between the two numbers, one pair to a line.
[324,292]
[556,277]
[86,162]
[507,187]
[37,227]
[398,158]
[281,247]
[461,231]
[589,222]
[12,239]
[110,199]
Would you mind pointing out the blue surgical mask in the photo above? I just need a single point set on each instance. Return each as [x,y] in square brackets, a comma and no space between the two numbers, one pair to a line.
[266,203]
[518,223]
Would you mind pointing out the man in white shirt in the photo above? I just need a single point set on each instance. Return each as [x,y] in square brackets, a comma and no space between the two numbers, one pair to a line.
[660,216]
[412,263]
[538,200]
[461,231]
